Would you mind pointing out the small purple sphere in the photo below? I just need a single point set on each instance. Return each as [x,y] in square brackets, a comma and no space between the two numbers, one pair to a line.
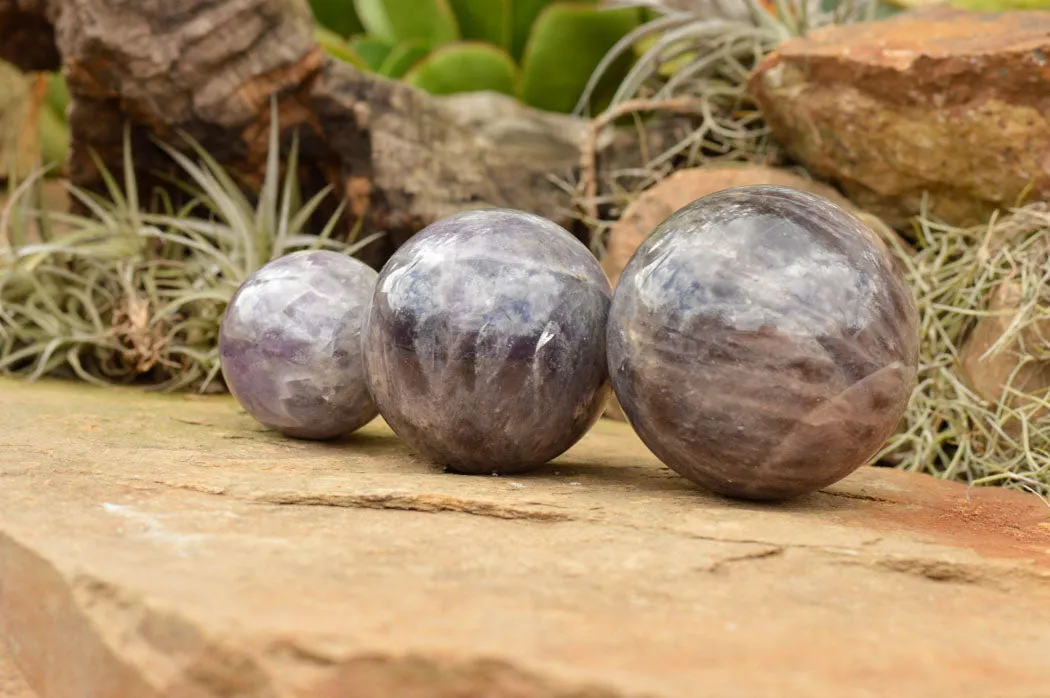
[485,342]
[762,343]
[290,344]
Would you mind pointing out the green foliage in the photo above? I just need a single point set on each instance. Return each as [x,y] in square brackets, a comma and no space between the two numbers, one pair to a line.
[568,41]
[337,16]
[541,51]
[523,17]
[372,50]
[430,21]
[401,59]
[485,20]
[135,293]
[334,45]
[465,67]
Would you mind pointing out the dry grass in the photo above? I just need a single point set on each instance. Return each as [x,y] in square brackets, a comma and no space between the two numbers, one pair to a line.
[950,430]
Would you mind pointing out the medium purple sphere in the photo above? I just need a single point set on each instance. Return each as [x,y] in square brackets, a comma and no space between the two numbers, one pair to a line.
[290,344]
[485,342]
[762,343]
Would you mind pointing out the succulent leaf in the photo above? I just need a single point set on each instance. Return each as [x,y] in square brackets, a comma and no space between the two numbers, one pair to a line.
[523,16]
[334,46]
[568,41]
[431,21]
[484,20]
[465,67]
[402,58]
[338,16]
[372,50]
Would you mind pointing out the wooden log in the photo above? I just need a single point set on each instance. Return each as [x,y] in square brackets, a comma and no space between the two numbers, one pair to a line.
[401,158]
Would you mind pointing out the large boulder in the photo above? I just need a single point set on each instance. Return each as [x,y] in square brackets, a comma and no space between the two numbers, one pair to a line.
[938,101]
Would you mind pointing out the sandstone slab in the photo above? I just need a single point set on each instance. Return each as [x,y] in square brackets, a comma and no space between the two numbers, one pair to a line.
[168,546]
[938,101]
[12,683]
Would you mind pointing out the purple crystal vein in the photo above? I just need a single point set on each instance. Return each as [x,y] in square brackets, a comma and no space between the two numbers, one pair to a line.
[290,344]
[762,343]
[485,343]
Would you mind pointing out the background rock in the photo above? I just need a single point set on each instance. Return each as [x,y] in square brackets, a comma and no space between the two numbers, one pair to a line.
[165,545]
[938,100]
[989,375]
[12,683]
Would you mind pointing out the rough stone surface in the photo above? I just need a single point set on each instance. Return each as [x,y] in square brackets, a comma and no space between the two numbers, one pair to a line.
[989,373]
[12,683]
[290,344]
[761,344]
[168,546]
[485,341]
[937,100]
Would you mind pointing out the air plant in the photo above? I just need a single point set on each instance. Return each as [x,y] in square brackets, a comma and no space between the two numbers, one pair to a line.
[121,294]
[693,68]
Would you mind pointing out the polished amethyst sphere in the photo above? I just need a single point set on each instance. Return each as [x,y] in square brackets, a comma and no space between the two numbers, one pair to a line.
[290,344]
[485,343]
[762,343]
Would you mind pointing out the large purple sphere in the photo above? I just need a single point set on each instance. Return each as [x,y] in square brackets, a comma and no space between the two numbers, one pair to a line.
[485,342]
[762,343]
[290,344]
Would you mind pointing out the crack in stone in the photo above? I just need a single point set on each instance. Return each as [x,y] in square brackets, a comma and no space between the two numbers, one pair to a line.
[428,503]
[857,495]
[721,565]
[860,554]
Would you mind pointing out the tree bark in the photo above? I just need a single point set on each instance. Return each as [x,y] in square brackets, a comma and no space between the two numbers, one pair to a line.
[399,157]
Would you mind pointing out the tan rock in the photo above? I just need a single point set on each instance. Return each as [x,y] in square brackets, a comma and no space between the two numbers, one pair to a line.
[652,206]
[937,100]
[12,683]
[167,546]
[987,374]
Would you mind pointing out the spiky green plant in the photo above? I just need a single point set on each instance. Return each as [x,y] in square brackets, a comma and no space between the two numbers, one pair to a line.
[693,69]
[123,294]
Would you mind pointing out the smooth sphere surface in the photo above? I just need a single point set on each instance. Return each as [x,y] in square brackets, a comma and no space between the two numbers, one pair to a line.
[290,344]
[762,343]
[485,342]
